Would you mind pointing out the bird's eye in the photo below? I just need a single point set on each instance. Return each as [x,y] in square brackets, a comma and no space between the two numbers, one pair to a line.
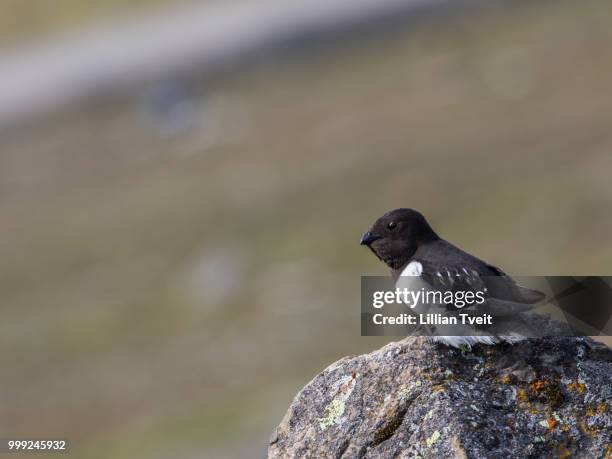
[391,225]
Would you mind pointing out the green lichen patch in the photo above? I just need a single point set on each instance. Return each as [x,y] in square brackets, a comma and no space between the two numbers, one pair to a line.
[433,439]
[342,389]
[333,413]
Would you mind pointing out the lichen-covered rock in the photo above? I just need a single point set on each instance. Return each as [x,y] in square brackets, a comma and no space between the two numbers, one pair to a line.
[548,397]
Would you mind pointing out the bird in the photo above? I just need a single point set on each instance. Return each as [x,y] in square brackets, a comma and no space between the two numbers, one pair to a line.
[404,240]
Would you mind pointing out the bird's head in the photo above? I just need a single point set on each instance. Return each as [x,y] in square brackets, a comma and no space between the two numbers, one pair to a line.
[395,237]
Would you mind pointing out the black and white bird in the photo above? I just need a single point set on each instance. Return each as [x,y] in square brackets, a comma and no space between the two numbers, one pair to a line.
[407,244]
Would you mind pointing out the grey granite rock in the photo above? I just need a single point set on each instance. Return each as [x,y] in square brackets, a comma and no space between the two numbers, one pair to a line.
[548,397]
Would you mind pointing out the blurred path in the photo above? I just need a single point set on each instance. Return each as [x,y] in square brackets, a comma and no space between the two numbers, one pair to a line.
[113,56]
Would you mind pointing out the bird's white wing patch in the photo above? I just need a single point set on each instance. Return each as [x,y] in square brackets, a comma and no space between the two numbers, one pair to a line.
[469,341]
[414,268]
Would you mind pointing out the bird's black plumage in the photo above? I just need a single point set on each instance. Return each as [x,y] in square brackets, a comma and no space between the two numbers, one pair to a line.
[403,236]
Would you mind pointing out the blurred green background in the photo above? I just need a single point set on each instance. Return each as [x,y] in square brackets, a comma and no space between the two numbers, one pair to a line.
[172,275]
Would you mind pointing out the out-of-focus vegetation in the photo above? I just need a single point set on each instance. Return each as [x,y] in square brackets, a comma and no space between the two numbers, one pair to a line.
[175,265]
[39,18]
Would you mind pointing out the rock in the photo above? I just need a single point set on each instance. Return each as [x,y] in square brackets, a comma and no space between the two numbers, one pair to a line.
[548,397]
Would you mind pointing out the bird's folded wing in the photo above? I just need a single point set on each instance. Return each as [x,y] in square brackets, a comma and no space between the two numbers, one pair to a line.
[503,295]
[504,287]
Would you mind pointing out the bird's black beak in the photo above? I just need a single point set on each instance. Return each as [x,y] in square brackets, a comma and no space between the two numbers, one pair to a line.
[368,237]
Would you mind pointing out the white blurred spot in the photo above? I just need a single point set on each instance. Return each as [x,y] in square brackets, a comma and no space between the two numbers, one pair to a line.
[215,276]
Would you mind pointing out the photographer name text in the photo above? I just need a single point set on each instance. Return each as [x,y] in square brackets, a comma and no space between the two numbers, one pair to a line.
[433,319]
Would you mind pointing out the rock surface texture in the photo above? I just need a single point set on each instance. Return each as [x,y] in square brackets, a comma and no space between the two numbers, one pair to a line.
[548,397]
